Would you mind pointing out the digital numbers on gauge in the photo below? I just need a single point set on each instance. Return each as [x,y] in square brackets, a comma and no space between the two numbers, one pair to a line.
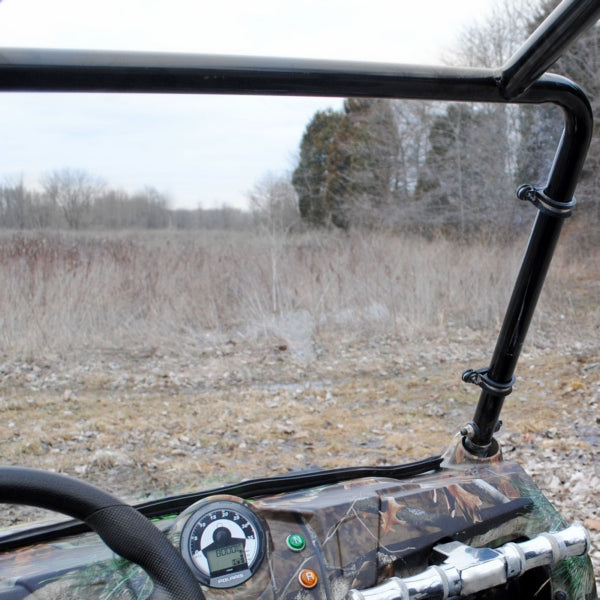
[224,543]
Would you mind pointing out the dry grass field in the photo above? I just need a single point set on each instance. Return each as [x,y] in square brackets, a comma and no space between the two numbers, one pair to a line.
[68,292]
[159,363]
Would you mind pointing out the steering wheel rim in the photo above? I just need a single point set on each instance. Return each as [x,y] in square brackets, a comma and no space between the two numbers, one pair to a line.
[122,528]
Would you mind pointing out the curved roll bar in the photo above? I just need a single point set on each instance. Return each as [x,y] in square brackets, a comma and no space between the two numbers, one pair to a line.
[520,81]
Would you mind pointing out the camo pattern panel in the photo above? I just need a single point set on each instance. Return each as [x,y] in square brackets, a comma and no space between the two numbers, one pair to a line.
[357,534]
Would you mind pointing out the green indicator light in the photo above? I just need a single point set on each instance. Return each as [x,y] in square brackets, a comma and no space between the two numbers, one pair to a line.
[295,542]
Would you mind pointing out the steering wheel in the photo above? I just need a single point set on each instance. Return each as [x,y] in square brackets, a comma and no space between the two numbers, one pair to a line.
[121,527]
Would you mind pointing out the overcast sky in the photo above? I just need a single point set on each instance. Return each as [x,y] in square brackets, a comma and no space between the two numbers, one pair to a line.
[200,151]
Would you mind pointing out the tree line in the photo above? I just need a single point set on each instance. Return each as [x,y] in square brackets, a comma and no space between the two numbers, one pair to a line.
[75,199]
[451,166]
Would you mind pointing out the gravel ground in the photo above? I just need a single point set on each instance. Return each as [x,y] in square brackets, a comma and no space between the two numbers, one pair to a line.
[148,422]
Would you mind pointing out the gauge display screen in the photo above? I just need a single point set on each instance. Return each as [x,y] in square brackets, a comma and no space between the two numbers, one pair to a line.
[227,557]
[224,543]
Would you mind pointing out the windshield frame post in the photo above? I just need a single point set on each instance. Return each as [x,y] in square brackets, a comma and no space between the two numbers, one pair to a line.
[559,191]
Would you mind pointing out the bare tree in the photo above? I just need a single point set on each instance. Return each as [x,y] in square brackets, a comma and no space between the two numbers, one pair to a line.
[74,191]
[473,158]
[491,41]
[274,203]
[413,121]
[14,201]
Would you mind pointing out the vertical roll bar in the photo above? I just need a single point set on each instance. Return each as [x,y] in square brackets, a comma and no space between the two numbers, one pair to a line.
[541,50]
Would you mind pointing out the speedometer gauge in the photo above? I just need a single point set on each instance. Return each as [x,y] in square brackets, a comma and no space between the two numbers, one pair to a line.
[224,543]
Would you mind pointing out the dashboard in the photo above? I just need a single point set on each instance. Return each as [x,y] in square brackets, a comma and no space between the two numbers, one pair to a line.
[312,543]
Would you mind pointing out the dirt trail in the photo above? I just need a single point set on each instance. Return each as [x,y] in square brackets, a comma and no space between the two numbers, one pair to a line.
[147,423]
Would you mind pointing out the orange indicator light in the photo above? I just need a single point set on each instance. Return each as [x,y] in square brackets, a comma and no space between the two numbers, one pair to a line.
[308,578]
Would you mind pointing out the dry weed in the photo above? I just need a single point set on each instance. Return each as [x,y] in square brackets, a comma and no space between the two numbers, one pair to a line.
[62,293]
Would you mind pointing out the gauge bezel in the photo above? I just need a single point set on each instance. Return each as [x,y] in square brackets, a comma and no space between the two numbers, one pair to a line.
[234,577]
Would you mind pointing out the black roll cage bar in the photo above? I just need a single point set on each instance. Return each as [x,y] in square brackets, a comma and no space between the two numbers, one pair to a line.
[522,80]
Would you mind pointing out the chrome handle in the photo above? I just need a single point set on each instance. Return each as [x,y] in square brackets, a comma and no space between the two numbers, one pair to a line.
[467,570]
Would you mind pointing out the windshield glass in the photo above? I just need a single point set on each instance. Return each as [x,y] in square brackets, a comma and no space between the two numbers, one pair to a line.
[199,290]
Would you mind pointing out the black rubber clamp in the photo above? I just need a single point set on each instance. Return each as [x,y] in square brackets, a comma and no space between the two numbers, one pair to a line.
[544,203]
[481,378]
